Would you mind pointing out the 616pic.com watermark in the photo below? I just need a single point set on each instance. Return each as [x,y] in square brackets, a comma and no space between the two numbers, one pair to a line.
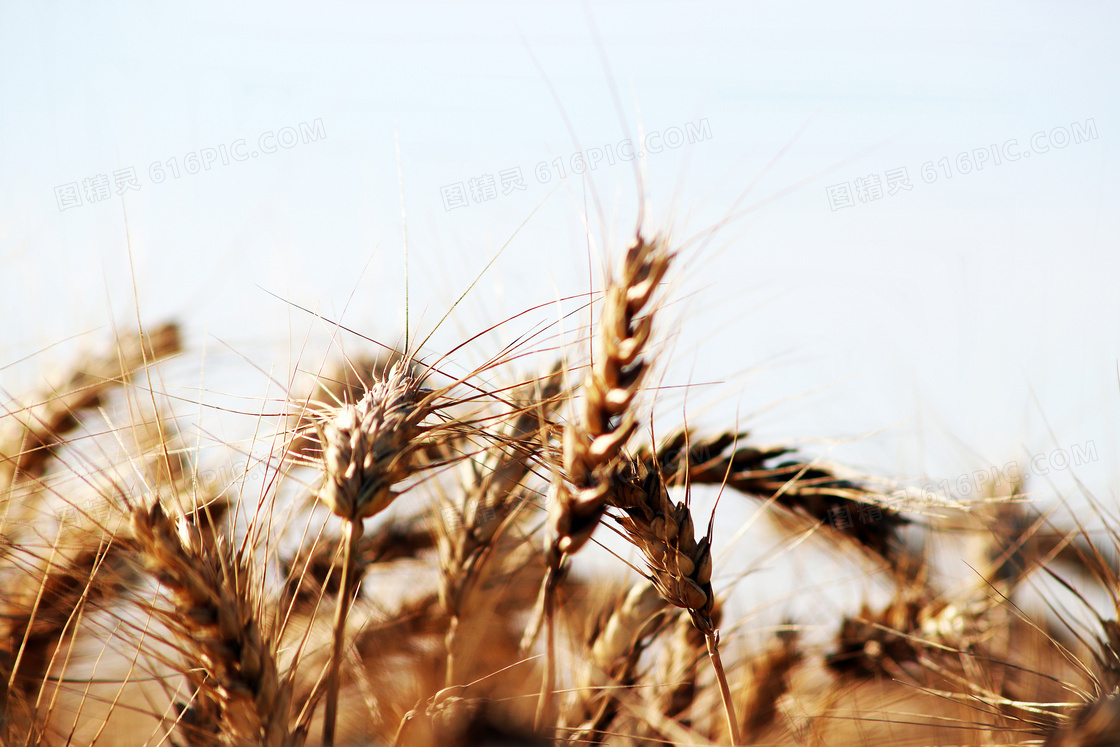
[1014,472]
[99,187]
[484,187]
[871,187]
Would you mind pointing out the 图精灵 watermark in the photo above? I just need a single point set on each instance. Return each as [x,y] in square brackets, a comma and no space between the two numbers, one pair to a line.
[97,510]
[873,187]
[102,186]
[486,187]
[453,520]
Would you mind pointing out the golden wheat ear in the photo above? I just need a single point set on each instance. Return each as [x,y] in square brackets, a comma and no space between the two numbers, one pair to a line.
[30,435]
[341,382]
[240,694]
[370,449]
[767,681]
[678,672]
[367,448]
[680,566]
[593,443]
[631,623]
[472,551]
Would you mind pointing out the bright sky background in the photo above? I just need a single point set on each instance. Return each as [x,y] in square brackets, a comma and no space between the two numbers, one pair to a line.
[942,329]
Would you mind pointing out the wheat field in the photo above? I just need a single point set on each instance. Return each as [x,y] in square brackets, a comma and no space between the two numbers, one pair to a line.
[404,567]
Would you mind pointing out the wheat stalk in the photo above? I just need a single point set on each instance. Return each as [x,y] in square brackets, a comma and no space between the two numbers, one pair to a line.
[679,667]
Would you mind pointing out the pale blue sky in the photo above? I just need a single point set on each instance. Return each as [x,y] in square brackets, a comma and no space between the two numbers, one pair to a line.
[961,315]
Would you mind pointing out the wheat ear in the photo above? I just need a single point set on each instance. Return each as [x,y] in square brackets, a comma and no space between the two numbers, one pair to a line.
[490,499]
[367,450]
[216,617]
[30,435]
[768,681]
[612,659]
[592,444]
[679,565]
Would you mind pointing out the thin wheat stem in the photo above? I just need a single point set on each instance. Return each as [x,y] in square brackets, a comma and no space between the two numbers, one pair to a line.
[350,546]
[548,678]
[712,639]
